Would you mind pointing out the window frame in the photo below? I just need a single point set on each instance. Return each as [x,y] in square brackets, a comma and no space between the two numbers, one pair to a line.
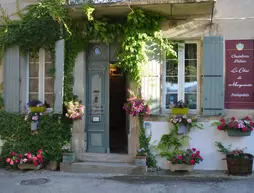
[41,77]
[181,73]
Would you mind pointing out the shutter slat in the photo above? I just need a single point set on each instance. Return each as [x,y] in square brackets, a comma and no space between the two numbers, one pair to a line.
[59,77]
[151,80]
[11,79]
[213,75]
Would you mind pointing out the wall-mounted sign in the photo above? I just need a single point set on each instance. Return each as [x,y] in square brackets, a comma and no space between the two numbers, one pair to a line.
[239,93]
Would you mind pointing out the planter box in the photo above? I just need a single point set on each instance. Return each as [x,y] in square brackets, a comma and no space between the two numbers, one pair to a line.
[29,167]
[140,161]
[38,109]
[68,157]
[238,133]
[180,111]
[181,129]
[240,167]
[181,167]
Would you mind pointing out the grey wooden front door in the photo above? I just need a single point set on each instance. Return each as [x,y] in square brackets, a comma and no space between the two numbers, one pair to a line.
[97,89]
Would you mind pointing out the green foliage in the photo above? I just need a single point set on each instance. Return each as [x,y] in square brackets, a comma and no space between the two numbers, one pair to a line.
[144,142]
[170,144]
[222,149]
[53,131]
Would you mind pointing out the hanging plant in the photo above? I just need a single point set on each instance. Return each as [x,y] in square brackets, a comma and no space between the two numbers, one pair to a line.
[75,110]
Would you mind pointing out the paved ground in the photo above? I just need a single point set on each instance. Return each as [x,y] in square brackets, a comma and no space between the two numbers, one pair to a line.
[58,182]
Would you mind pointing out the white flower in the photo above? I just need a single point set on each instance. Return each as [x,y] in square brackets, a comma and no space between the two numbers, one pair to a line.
[25,160]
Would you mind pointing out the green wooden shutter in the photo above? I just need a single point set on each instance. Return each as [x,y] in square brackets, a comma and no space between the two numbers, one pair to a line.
[151,80]
[59,77]
[213,75]
[11,79]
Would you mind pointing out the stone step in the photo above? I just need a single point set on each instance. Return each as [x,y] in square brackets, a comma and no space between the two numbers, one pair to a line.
[107,157]
[103,168]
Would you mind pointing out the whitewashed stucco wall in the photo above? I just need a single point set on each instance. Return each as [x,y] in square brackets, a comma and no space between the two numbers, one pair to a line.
[203,140]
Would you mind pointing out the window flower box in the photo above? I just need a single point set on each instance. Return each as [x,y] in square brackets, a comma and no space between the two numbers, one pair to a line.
[29,167]
[238,133]
[181,167]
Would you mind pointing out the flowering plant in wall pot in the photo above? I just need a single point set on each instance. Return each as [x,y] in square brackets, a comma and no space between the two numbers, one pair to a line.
[68,156]
[185,160]
[136,106]
[185,123]
[75,110]
[179,108]
[236,127]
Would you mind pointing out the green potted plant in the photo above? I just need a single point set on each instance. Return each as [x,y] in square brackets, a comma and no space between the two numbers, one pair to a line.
[185,160]
[236,127]
[140,159]
[239,163]
[68,156]
[36,106]
[183,124]
[179,108]
[25,161]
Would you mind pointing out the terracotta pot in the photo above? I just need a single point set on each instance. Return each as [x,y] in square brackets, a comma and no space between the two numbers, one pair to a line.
[140,161]
[53,165]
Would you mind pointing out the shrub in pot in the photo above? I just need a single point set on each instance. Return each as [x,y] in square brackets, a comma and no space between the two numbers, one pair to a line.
[140,159]
[239,163]
[68,156]
[185,160]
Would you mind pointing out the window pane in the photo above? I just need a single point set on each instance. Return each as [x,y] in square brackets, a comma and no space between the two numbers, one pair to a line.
[33,97]
[174,53]
[33,85]
[49,99]
[49,85]
[170,98]
[191,100]
[48,67]
[48,57]
[33,69]
[190,84]
[172,68]
[190,51]
[171,84]
[190,67]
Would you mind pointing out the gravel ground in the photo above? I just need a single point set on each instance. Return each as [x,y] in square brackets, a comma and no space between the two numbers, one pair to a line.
[58,182]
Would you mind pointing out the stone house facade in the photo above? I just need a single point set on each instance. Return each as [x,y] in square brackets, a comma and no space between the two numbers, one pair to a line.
[199,76]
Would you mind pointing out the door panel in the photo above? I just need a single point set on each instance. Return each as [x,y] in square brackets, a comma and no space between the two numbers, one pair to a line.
[97,99]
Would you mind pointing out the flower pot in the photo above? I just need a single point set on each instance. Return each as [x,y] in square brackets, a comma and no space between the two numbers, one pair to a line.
[181,129]
[34,126]
[140,161]
[68,157]
[240,167]
[28,167]
[181,167]
[53,165]
[180,111]
[38,109]
[238,133]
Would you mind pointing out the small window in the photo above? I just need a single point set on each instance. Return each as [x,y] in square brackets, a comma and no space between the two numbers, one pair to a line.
[181,75]
[41,84]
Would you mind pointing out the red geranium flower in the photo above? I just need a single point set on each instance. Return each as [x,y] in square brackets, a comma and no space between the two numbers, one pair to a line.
[180,157]
[193,156]
[13,153]
[231,125]
[192,162]
[222,120]
[29,155]
[233,118]
[198,152]
[251,124]
[40,151]
[219,127]
[247,118]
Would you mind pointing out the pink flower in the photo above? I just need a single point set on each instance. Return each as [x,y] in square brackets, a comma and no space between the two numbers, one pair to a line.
[11,162]
[189,120]
[180,157]
[13,153]
[198,152]
[194,149]
[8,160]
[192,162]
